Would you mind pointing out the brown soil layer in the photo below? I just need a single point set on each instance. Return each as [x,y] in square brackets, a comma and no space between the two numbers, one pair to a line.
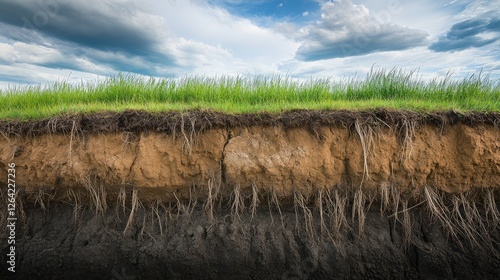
[297,151]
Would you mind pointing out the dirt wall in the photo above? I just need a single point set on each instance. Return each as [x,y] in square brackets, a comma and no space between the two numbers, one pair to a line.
[302,195]
[453,158]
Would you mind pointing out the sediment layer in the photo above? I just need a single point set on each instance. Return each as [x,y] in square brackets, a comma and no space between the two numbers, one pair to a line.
[298,151]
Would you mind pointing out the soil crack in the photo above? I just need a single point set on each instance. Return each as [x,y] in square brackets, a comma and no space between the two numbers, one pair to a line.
[136,156]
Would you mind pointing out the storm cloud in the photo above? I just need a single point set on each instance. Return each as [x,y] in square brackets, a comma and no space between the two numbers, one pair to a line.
[109,26]
[471,33]
[98,35]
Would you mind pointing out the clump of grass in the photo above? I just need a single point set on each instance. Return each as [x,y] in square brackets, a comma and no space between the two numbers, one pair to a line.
[395,89]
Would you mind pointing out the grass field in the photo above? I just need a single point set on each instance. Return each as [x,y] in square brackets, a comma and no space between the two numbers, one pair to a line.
[394,89]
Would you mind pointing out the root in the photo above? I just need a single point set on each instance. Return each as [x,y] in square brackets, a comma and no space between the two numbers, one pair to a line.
[385,199]
[492,213]
[40,198]
[319,206]
[338,204]
[121,199]
[407,224]
[439,210]
[238,204]
[155,215]
[366,137]
[358,209]
[135,204]
[77,204]
[75,131]
[193,200]
[407,135]
[189,137]
[274,200]
[43,198]
[396,200]
[97,194]
[472,216]
[468,219]
[167,214]
[255,201]
[184,209]
[299,201]
[208,206]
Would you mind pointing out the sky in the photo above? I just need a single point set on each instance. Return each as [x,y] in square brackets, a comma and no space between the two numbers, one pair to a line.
[43,41]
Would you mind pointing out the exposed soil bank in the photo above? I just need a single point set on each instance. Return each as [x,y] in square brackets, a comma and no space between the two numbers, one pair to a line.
[302,195]
[367,150]
[52,246]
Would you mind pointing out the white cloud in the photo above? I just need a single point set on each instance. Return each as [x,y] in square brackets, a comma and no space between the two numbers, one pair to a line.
[430,64]
[346,29]
[477,26]
[432,16]
[180,37]
[215,26]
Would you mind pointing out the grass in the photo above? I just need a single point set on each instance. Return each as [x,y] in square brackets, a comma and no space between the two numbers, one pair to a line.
[380,89]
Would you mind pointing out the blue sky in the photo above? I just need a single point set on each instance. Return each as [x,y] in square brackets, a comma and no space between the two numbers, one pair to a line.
[42,41]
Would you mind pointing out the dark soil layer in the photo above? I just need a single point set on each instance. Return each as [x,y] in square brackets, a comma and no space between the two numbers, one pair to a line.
[52,246]
[199,121]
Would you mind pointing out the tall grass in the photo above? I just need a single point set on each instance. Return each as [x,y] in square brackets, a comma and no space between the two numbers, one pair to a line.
[389,89]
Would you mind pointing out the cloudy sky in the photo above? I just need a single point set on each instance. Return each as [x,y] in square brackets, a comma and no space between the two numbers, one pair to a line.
[42,41]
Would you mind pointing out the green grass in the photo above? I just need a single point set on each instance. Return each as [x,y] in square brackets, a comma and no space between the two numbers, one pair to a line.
[394,89]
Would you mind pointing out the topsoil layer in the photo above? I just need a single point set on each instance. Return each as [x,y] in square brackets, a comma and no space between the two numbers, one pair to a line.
[199,121]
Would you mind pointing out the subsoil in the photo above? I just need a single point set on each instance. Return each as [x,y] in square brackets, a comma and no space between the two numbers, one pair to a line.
[52,246]
[67,166]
